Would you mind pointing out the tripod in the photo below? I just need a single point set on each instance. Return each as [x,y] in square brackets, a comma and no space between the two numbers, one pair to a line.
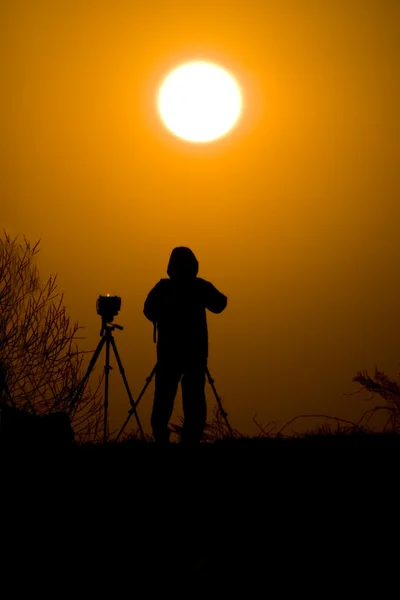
[148,380]
[108,339]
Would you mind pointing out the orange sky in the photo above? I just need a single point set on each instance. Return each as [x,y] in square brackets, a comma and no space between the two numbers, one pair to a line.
[294,215]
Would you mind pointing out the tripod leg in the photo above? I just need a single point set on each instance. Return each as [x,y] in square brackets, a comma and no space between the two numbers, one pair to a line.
[107,369]
[223,413]
[122,371]
[134,405]
[124,425]
[82,384]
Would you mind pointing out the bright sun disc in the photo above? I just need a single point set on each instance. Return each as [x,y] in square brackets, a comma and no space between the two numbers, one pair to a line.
[199,101]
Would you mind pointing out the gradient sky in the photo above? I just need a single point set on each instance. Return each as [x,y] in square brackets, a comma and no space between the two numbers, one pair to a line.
[294,215]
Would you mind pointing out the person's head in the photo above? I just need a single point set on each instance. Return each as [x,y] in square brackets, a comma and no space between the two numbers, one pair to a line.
[182,264]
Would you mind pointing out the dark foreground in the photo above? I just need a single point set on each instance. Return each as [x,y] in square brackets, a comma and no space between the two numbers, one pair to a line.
[310,516]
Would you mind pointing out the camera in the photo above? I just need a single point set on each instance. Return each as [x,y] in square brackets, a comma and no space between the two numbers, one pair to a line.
[108,307]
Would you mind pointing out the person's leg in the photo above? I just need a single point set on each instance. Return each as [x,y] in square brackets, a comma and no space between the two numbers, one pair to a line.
[166,385]
[194,404]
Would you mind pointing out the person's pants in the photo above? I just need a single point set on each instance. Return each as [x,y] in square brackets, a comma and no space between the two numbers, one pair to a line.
[167,377]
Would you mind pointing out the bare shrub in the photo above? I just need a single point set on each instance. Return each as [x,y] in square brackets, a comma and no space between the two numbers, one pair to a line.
[40,360]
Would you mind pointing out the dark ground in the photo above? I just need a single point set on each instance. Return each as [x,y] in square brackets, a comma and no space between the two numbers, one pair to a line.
[312,515]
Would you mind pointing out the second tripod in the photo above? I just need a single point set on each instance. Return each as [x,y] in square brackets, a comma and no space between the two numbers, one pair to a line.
[148,380]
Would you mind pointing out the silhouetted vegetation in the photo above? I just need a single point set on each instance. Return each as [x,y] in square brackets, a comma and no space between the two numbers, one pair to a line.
[389,391]
[40,362]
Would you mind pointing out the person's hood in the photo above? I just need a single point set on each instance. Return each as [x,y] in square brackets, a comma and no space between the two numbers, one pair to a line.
[182,264]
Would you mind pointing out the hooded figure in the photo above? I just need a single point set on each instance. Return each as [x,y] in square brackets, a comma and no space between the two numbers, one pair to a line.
[177,307]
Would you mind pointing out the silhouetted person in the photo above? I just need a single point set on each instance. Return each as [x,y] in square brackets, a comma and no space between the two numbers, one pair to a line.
[177,307]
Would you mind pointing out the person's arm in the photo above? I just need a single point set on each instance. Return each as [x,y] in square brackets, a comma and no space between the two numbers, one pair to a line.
[152,304]
[215,301]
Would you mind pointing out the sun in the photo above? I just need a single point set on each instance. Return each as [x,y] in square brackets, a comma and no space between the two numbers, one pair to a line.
[199,101]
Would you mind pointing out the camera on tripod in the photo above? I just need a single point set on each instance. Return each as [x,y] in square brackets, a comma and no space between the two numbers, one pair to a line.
[108,307]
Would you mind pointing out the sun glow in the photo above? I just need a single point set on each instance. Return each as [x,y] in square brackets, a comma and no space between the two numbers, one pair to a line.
[199,101]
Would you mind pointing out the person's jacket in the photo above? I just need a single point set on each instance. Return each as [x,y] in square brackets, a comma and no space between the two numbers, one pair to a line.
[178,307]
